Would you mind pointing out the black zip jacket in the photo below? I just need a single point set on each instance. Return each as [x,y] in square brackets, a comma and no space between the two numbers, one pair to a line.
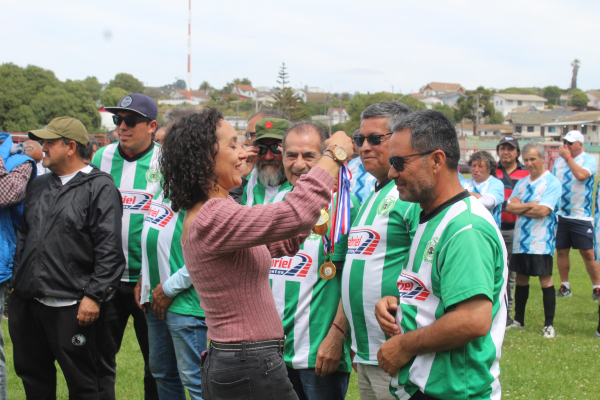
[69,238]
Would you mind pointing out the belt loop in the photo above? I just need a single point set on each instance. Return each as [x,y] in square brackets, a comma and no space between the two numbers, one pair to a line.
[243,351]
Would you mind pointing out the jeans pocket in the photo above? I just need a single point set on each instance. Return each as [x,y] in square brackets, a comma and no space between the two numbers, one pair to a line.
[231,390]
[274,362]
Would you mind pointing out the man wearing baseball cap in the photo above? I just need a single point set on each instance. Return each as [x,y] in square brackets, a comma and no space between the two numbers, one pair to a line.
[67,266]
[133,164]
[268,177]
[509,171]
[575,170]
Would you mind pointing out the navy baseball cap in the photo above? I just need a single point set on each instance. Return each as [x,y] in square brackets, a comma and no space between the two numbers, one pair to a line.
[138,103]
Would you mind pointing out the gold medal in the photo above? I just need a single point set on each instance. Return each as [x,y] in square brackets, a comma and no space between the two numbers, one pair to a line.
[322,224]
[327,270]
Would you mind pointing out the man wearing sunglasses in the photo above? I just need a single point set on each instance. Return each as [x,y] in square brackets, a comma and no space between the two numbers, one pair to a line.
[133,164]
[362,182]
[378,243]
[447,318]
[268,177]
[575,170]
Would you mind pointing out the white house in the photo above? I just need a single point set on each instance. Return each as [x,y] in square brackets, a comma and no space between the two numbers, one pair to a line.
[106,119]
[506,103]
[594,98]
[300,94]
[436,88]
[179,97]
[338,115]
[244,92]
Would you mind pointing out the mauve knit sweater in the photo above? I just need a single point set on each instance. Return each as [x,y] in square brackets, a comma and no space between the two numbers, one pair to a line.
[228,251]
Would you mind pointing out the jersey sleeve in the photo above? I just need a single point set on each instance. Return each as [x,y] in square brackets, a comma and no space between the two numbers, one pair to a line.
[341,248]
[465,274]
[589,164]
[551,195]
[554,167]
[496,190]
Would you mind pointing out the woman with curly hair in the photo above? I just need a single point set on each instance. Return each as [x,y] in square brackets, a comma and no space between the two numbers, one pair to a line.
[484,185]
[228,249]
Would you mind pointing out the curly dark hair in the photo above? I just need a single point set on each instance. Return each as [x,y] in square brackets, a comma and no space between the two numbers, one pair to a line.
[188,159]
[487,158]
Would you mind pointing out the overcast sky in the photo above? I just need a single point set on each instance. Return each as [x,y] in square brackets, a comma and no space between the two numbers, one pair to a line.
[364,46]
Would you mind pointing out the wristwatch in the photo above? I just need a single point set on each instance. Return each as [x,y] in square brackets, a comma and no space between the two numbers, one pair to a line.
[339,153]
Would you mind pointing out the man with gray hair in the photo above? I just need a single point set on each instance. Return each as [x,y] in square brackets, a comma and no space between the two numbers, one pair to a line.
[447,317]
[536,202]
[378,244]
[317,350]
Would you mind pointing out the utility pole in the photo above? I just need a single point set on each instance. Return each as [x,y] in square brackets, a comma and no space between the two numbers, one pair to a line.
[189,77]
[330,114]
[477,96]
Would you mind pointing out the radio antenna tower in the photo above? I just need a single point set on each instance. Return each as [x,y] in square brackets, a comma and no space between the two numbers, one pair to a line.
[189,77]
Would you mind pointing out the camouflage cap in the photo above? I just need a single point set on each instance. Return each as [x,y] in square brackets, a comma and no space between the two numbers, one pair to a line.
[271,128]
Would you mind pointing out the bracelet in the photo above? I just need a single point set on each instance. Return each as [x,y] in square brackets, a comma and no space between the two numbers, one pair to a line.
[330,156]
[340,329]
[567,159]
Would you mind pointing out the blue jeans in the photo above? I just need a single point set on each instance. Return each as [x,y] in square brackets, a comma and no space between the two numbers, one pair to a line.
[310,386]
[175,348]
[3,390]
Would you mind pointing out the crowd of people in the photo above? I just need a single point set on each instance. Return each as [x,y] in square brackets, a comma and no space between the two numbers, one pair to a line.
[197,235]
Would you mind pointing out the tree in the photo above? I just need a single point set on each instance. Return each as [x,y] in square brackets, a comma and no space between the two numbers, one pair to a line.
[290,105]
[552,94]
[515,90]
[126,82]
[466,105]
[575,64]
[205,86]
[497,118]
[283,76]
[111,97]
[31,97]
[357,105]
[579,99]
[93,87]
[179,84]
[413,103]
[446,110]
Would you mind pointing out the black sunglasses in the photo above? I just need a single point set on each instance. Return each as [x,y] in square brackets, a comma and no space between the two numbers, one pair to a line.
[374,140]
[249,135]
[398,161]
[130,120]
[263,148]
[567,142]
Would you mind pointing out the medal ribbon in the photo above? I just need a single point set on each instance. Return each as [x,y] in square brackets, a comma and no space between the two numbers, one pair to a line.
[340,215]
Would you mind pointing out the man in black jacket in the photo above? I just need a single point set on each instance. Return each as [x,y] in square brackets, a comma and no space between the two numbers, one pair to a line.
[68,261]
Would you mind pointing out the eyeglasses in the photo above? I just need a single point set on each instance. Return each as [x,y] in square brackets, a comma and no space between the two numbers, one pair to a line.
[130,120]
[567,142]
[250,134]
[263,148]
[374,140]
[398,161]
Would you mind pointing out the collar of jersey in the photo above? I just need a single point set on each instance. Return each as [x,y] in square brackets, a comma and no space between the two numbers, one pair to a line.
[137,156]
[378,186]
[426,217]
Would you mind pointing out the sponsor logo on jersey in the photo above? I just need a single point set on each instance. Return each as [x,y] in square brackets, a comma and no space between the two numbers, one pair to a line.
[386,205]
[297,266]
[313,237]
[362,241]
[153,175]
[136,201]
[430,250]
[410,287]
[159,214]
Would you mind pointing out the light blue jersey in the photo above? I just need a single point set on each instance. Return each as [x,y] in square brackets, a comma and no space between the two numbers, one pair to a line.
[461,179]
[362,182]
[576,200]
[537,236]
[597,226]
[492,187]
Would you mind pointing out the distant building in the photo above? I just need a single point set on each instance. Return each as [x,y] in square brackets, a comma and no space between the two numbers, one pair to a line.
[594,98]
[106,119]
[506,103]
[437,88]
[264,90]
[179,97]
[244,92]
[531,124]
[313,90]
[300,93]
[484,129]
[587,123]
[319,98]
[334,116]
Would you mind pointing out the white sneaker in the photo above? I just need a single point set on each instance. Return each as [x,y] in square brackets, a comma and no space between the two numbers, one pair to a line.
[548,332]
[597,335]
[515,325]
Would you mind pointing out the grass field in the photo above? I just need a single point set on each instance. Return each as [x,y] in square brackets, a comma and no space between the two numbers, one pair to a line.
[567,367]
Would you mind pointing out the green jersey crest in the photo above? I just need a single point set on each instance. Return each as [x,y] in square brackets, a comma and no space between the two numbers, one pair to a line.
[430,250]
[386,205]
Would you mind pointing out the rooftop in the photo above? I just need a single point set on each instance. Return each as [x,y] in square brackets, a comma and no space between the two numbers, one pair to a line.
[526,97]
[447,87]
[246,87]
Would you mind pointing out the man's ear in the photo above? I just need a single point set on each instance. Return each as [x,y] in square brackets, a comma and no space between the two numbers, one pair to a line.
[151,126]
[439,160]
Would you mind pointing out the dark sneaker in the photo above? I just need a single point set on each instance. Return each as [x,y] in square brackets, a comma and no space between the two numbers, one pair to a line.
[564,292]
[596,294]
[597,335]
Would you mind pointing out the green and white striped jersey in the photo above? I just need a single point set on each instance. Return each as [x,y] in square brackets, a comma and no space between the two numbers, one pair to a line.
[307,304]
[456,254]
[255,193]
[377,246]
[162,255]
[138,181]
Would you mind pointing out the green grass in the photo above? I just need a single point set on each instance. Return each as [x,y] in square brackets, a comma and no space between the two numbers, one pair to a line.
[567,367]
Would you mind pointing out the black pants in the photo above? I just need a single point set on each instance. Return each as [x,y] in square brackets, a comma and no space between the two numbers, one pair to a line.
[42,335]
[117,312]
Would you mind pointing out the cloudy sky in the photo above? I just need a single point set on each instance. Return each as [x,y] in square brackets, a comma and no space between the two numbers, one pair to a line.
[364,46]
